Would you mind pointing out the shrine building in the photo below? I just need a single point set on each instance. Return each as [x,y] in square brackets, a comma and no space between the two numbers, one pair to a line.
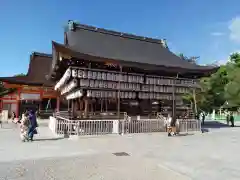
[99,71]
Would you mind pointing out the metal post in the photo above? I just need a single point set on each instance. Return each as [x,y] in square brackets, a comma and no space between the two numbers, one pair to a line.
[174,102]
[119,84]
[118,108]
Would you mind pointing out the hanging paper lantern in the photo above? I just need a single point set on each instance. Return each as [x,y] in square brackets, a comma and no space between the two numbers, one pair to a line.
[74,95]
[151,96]
[91,83]
[93,93]
[105,84]
[69,87]
[80,73]
[74,73]
[99,75]
[89,93]
[96,83]
[85,74]
[94,75]
[104,76]
[63,80]
[90,74]
[98,94]
[114,77]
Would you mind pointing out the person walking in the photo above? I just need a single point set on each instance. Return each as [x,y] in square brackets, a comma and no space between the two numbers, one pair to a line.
[203,117]
[33,125]
[24,127]
[231,119]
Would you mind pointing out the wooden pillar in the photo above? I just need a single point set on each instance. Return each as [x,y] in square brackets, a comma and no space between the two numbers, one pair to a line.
[72,107]
[81,107]
[58,103]
[86,107]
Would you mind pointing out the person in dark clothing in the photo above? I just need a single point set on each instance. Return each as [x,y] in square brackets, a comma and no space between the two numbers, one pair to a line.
[231,119]
[33,125]
[203,118]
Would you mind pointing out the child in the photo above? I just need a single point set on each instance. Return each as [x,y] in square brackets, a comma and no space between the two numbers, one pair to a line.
[24,127]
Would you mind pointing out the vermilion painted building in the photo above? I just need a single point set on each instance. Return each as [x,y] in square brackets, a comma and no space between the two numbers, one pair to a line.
[33,91]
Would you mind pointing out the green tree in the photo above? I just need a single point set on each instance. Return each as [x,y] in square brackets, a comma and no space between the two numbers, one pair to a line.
[232,88]
[19,75]
[221,88]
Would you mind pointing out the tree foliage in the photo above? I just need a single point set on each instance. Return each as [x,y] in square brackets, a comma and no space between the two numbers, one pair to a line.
[221,89]
[20,75]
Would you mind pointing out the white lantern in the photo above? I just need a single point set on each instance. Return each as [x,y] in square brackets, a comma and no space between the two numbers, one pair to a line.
[151,96]
[151,88]
[74,95]
[89,93]
[100,84]
[115,85]
[99,75]
[94,74]
[105,84]
[80,73]
[90,74]
[74,73]
[96,84]
[129,95]
[125,78]
[69,87]
[87,83]
[133,87]
[91,83]
[109,94]
[130,86]
[134,95]
[134,79]
[93,94]
[109,85]
[118,77]
[85,74]
[114,77]
[104,76]
[130,78]
[98,93]
[108,76]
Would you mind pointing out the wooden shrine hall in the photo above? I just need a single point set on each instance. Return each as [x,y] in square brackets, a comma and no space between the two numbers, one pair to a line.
[31,91]
[99,70]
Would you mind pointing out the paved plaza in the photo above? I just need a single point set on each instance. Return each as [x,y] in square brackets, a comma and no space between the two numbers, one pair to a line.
[213,155]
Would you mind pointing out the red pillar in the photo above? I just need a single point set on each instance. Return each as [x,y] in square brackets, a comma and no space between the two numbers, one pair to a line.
[18,102]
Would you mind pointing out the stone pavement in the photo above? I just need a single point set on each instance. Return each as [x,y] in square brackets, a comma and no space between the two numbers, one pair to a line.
[212,155]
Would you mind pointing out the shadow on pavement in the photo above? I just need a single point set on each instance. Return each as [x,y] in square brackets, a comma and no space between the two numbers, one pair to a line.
[49,139]
[185,134]
[215,124]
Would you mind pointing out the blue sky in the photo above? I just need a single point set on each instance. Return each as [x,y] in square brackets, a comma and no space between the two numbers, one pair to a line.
[207,28]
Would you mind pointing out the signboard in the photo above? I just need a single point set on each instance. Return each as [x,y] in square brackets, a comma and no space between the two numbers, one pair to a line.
[28,96]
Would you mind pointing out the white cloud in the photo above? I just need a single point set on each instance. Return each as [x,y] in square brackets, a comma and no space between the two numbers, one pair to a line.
[221,62]
[217,34]
[234,28]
